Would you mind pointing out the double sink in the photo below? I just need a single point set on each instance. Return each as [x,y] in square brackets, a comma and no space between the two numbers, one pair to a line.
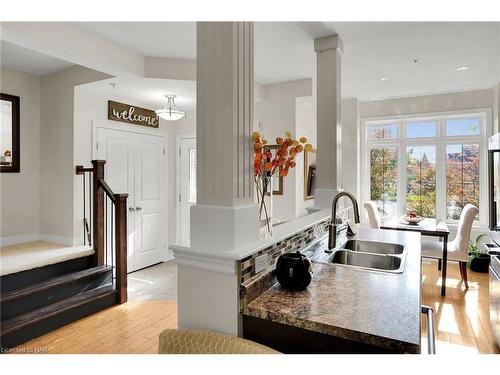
[369,255]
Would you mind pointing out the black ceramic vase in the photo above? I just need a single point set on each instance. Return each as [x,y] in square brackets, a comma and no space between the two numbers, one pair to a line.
[294,271]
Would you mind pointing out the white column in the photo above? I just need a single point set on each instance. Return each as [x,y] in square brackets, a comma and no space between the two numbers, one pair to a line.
[225,215]
[329,156]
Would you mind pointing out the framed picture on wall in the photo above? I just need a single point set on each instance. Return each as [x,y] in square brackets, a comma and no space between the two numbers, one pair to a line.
[309,174]
[9,130]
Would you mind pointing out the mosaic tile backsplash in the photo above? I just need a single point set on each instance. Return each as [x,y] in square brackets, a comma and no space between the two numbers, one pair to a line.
[292,243]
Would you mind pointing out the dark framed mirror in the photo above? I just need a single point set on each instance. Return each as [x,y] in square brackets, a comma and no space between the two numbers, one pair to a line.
[9,134]
[309,174]
[277,179]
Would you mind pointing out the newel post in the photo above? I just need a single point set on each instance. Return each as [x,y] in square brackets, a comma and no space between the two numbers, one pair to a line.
[121,246]
[98,211]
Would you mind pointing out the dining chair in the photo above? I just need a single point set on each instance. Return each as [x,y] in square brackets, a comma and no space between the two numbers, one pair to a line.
[458,249]
[373,215]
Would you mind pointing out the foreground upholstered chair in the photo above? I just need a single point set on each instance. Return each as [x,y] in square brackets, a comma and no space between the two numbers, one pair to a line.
[178,341]
[373,215]
[458,249]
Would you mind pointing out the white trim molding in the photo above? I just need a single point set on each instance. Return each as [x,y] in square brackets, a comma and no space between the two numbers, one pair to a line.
[207,262]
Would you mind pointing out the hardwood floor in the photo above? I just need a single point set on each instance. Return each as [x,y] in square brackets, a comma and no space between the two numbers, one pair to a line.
[461,321]
[129,328]
[462,317]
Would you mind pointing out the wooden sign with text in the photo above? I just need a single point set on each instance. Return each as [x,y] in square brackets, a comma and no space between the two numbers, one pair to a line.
[132,114]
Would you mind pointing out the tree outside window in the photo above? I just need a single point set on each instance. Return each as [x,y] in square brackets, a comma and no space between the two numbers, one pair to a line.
[383,179]
[421,180]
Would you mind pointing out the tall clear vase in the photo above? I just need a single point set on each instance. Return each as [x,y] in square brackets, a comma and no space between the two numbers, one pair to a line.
[264,193]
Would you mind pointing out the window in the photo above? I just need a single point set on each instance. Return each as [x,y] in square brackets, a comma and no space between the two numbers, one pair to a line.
[389,131]
[383,179]
[421,129]
[421,180]
[430,165]
[462,178]
[463,126]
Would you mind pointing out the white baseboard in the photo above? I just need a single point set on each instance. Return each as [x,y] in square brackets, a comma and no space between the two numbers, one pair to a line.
[168,255]
[15,240]
[24,238]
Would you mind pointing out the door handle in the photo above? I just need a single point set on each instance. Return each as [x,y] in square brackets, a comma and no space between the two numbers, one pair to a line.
[131,209]
[138,208]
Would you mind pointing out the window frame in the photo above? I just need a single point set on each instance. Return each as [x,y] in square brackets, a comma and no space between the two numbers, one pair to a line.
[440,142]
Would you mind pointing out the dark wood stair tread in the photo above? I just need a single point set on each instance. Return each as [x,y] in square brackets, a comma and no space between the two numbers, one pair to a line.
[37,287]
[37,315]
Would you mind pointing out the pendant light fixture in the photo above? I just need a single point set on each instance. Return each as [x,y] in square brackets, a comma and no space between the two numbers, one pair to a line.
[170,112]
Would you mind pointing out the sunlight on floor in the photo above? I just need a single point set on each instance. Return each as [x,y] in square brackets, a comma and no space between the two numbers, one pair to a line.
[462,317]
[456,283]
[448,322]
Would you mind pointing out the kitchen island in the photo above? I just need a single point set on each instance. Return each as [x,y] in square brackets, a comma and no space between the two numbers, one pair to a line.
[344,309]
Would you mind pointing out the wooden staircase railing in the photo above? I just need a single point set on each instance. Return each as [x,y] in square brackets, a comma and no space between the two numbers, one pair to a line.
[109,233]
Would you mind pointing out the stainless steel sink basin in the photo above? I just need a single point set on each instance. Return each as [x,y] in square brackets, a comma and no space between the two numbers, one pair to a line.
[370,261]
[373,247]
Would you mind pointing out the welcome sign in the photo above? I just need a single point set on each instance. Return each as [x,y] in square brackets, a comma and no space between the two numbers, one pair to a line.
[132,114]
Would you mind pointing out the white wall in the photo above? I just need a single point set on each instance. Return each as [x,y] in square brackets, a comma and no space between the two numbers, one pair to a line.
[92,106]
[56,150]
[305,121]
[428,103]
[20,195]
[350,146]
[276,113]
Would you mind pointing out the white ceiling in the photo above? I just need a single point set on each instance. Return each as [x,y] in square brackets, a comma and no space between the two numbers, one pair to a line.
[148,92]
[372,50]
[28,61]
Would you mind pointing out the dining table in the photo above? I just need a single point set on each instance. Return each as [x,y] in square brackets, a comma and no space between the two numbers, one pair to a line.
[427,227]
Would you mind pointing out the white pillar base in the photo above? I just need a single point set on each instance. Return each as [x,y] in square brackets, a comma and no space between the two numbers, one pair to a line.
[323,198]
[220,228]
[207,299]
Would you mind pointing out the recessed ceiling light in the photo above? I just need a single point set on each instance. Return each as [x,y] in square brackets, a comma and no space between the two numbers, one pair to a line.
[463,68]
[384,78]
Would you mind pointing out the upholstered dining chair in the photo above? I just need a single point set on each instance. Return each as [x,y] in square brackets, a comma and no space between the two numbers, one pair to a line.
[458,249]
[179,341]
[373,215]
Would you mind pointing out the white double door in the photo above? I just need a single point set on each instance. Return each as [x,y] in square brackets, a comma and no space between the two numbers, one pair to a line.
[135,165]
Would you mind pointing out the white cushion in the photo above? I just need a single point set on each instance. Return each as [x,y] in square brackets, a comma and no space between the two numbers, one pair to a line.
[458,249]
[434,249]
[373,215]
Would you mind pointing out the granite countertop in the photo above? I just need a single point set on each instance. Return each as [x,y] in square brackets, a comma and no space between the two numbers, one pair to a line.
[377,308]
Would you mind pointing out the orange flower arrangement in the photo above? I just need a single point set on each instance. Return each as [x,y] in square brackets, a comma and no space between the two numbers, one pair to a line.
[265,164]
